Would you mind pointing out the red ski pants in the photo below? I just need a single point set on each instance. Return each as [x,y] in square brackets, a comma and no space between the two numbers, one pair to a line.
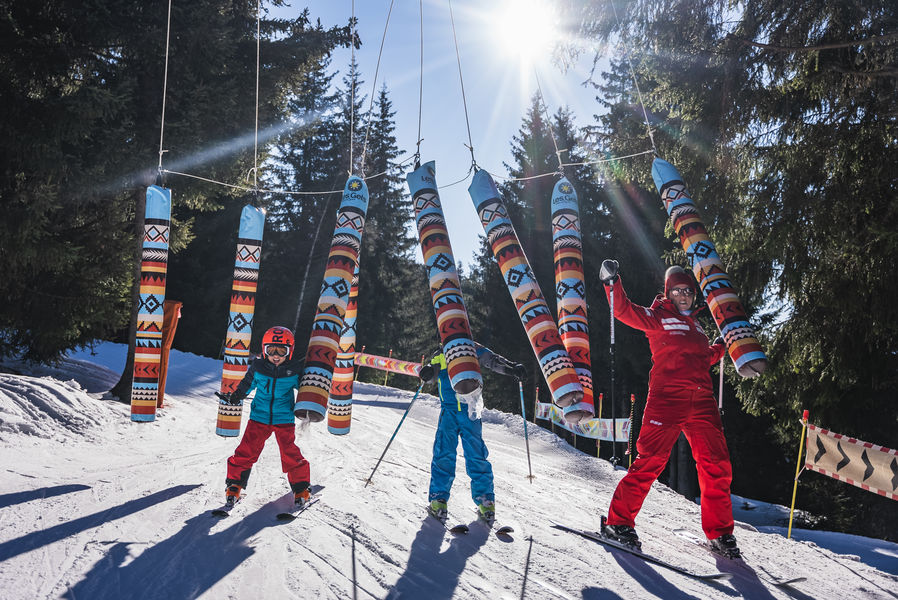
[292,462]
[667,412]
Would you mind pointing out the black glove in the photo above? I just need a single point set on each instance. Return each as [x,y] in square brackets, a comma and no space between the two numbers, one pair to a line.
[427,373]
[228,398]
[718,340]
[608,271]
[519,371]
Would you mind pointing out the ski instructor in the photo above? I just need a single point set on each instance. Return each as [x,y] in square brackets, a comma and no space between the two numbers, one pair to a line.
[680,398]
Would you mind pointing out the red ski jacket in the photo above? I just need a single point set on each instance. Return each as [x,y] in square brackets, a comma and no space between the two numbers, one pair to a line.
[681,356]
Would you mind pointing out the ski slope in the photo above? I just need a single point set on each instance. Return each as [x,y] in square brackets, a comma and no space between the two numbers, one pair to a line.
[94,506]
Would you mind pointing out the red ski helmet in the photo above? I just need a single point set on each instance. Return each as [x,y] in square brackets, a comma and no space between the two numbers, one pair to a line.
[278,336]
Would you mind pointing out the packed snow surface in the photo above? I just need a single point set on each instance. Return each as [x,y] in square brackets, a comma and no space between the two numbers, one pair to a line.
[94,506]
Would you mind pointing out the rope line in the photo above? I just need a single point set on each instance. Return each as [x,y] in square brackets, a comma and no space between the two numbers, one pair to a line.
[574,164]
[374,88]
[420,83]
[352,89]
[256,138]
[164,85]
[539,88]
[645,115]
[462,81]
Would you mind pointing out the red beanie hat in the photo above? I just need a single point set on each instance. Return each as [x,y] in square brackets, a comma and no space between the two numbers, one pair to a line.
[675,276]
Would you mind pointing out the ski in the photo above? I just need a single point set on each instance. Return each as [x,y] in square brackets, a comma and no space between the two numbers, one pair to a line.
[293,514]
[771,579]
[460,528]
[225,509]
[501,529]
[598,537]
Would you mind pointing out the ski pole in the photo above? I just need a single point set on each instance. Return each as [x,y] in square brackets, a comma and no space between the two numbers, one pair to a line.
[720,386]
[526,439]
[614,458]
[367,481]
[798,469]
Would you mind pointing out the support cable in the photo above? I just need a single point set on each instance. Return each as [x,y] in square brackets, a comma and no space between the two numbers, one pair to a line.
[464,100]
[352,89]
[420,82]
[164,88]
[256,135]
[542,98]
[374,89]
[645,115]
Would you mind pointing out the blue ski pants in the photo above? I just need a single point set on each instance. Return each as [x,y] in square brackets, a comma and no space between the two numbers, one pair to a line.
[452,425]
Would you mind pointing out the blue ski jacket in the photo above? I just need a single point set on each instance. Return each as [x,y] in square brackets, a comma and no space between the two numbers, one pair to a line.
[274,385]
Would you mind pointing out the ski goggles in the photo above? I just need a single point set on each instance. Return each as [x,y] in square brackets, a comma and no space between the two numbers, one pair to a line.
[272,350]
[682,292]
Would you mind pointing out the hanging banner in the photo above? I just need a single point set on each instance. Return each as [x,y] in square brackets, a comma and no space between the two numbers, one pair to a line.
[339,404]
[596,429]
[554,361]
[861,464]
[725,307]
[240,315]
[150,312]
[445,288]
[324,343]
[570,288]
[393,365]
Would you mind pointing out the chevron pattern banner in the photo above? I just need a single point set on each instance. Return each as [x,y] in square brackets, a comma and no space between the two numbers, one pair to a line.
[240,316]
[324,343]
[570,289]
[339,404]
[861,464]
[528,299]
[445,289]
[742,345]
[153,268]
[383,363]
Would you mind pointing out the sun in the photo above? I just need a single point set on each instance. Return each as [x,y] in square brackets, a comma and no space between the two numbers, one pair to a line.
[526,29]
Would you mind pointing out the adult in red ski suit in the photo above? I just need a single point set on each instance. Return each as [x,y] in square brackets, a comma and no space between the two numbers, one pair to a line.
[680,398]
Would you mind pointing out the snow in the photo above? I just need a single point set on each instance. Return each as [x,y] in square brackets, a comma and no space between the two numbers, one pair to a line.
[96,506]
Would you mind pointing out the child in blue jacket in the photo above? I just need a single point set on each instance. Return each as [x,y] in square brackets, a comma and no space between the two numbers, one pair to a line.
[274,376]
[457,422]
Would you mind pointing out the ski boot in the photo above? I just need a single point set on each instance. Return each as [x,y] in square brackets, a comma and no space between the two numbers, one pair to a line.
[623,534]
[232,495]
[438,508]
[725,545]
[300,499]
[487,511]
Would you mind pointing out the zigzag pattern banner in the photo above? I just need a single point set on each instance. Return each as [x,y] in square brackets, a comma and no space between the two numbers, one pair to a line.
[339,405]
[570,288]
[528,299]
[861,464]
[727,310]
[445,289]
[382,363]
[240,316]
[324,343]
[148,340]
[596,429]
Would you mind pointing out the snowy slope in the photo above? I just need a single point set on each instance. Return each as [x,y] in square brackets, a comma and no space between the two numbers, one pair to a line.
[95,506]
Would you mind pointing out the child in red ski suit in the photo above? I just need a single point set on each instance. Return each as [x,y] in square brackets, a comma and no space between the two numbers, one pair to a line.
[680,398]
[274,377]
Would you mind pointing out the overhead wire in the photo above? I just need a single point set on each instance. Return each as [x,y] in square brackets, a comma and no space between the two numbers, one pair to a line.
[463,97]
[420,82]
[164,86]
[374,88]
[645,115]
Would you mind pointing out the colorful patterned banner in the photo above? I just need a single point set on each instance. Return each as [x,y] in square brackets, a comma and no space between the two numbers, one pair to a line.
[393,365]
[148,341]
[570,288]
[862,464]
[324,343]
[535,315]
[445,289]
[596,429]
[743,346]
[240,317]
[339,405]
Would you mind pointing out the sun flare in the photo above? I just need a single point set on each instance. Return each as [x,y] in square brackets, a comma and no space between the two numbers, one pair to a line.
[525,29]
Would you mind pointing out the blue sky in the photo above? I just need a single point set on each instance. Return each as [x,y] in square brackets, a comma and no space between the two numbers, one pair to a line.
[498,86]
